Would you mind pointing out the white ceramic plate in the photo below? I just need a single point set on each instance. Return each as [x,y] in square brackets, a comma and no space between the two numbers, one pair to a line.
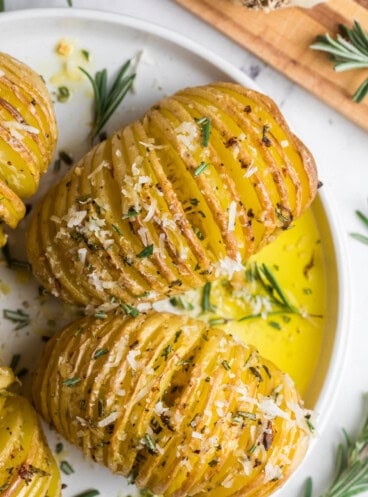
[168,63]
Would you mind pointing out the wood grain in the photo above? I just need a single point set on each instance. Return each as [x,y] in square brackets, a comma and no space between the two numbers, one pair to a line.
[282,39]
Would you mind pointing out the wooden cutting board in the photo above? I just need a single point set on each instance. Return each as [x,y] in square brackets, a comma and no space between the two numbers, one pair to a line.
[282,39]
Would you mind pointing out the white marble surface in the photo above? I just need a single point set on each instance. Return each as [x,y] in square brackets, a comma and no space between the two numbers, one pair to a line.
[341,151]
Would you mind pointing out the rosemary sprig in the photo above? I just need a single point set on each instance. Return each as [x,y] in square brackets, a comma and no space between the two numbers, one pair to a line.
[70,3]
[106,100]
[358,236]
[19,317]
[349,51]
[2,5]
[352,467]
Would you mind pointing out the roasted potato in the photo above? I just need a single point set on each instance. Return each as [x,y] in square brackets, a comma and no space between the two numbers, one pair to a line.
[27,467]
[180,408]
[28,135]
[204,180]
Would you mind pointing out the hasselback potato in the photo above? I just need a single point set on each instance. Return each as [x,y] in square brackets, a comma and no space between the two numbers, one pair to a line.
[27,467]
[28,137]
[204,180]
[180,408]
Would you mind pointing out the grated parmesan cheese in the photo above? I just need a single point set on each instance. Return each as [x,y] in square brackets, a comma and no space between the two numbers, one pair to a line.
[111,418]
[232,216]
[250,171]
[99,168]
[132,354]
[187,133]
[227,267]
[272,472]
[82,255]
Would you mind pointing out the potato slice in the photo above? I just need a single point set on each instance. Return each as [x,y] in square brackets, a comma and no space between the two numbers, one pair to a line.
[204,180]
[180,408]
[28,135]
[27,467]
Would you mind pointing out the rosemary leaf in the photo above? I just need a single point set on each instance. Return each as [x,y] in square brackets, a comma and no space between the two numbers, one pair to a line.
[206,298]
[351,467]
[2,5]
[348,51]
[362,217]
[70,3]
[107,100]
[360,238]
[202,167]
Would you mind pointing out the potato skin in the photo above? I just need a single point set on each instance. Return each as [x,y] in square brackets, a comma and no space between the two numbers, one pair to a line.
[27,467]
[28,135]
[180,408]
[167,204]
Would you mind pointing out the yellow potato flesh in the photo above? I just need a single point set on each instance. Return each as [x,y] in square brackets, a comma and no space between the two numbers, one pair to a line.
[28,137]
[183,409]
[158,209]
[27,467]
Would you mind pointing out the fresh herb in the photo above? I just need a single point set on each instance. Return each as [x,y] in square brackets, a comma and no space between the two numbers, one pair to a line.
[180,303]
[100,315]
[100,353]
[117,229]
[239,416]
[70,3]
[217,321]
[2,5]
[129,310]
[19,317]
[63,94]
[351,467]
[59,448]
[146,252]
[206,299]
[89,493]
[274,324]
[71,382]
[167,351]
[14,263]
[66,468]
[205,124]
[202,167]
[213,462]
[14,362]
[149,443]
[106,100]
[358,236]
[86,54]
[348,51]
[66,158]
[131,213]
[281,305]
[226,365]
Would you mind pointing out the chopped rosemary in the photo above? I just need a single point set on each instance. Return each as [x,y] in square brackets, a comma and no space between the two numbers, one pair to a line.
[85,54]
[66,468]
[12,263]
[19,317]
[202,167]
[66,158]
[281,305]
[59,448]
[206,298]
[71,382]
[226,365]
[205,124]
[149,443]
[89,493]
[349,51]
[63,94]
[100,353]
[167,351]
[358,236]
[117,229]
[129,310]
[351,467]
[146,252]
[107,100]
[101,315]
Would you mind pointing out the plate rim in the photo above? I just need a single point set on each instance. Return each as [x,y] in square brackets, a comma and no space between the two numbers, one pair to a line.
[337,362]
